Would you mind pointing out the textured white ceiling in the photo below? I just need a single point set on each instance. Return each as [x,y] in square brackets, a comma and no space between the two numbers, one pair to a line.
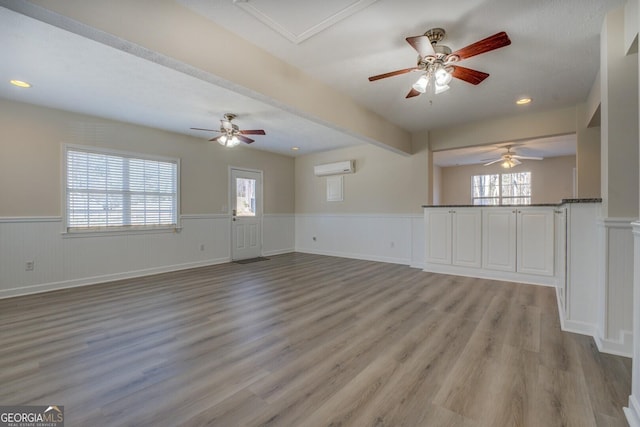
[297,21]
[78,74]
[553,58]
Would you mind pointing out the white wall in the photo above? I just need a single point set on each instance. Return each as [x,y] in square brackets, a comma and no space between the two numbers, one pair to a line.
[74,261]
[384,182]
[437,185]
[551,179]
[30,212]
[381,215]
[505,129]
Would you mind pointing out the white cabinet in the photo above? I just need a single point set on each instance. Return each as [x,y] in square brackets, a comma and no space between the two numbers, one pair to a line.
[439,237]
[499,239]
[518,240]
[454,236]
[467,237]
[535,241]
[504,243]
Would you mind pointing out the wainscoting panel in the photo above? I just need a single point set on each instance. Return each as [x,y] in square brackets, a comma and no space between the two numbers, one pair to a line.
[417,242]
[580,313]
[615,321]
[633,410]
[278,235]
[61,261]
[385,238]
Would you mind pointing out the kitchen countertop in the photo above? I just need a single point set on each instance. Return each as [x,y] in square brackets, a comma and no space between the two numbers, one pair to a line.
[562,202]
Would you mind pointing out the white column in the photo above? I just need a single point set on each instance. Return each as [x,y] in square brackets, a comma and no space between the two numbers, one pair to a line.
[633,410]
[632,19]
[619,184]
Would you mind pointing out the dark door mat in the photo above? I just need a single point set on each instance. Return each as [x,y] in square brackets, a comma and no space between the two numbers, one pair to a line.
[251,260]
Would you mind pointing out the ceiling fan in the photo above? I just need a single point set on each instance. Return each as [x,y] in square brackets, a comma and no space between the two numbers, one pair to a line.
[437,63]
[510,159]
[231,134]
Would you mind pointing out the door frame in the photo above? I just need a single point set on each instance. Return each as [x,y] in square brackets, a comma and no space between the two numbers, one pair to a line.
[260,194]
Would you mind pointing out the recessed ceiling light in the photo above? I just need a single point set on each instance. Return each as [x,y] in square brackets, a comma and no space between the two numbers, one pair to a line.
[523,100]
[295,148]
[20,83]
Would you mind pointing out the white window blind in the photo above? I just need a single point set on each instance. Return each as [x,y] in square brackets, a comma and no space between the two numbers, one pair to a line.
[109,190]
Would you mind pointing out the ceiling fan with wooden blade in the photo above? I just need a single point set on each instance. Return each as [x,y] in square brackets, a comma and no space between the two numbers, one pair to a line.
[510,159]
[436,62]
[231,134]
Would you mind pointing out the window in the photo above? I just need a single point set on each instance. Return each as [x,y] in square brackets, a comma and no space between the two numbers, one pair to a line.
[501,189]
[108,190]
[245,197]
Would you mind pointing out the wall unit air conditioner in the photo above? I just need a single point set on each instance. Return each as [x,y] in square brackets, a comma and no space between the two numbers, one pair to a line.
[337,168]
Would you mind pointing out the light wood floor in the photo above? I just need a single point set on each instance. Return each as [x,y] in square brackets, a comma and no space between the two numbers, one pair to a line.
[305,340]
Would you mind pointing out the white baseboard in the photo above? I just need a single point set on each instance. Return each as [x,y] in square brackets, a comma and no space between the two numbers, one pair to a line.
[482,273]
[418,265]
[363,257]
[621,347]
[87,281]
[577,327]
[574,326]
[278,252]
[632,412]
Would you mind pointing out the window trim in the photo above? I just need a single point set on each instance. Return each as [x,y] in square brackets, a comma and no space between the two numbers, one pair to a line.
[115,230]
[500,198]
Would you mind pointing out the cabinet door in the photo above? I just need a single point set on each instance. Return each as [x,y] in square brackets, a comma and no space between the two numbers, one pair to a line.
[535,241]
[467,237]
[438,229]
[499,239]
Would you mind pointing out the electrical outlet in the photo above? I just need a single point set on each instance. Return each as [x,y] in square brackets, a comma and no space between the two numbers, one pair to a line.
[29,266]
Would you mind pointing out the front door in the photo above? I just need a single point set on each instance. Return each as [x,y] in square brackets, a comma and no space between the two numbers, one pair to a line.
[246,210]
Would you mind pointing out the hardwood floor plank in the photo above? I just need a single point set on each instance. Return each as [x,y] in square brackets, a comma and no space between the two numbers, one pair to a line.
[424,363]
[564,400]
[607,389]
[306,340]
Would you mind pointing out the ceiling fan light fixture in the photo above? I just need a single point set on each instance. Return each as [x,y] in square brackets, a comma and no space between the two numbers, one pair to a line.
[441,88]
[228,141]
[421,84]
[509,163]
[442,77]
[231,134]
[233,141]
